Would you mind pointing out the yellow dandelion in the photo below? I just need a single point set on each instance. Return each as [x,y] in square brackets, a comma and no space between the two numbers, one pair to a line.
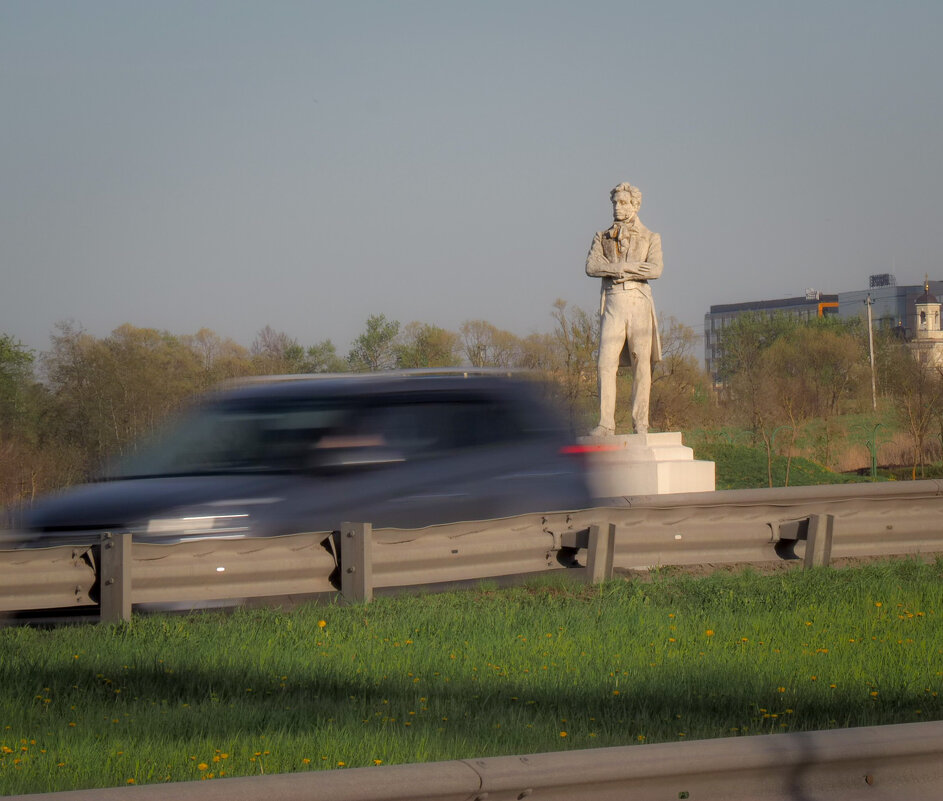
[781,689]
[306,761]
[563,734]
[131,780]
[202,766]
[709,632]
[878,604]
[615,692]
[322,624]
[377,761]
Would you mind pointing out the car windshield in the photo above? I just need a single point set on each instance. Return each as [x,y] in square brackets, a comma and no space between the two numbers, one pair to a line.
[226,439]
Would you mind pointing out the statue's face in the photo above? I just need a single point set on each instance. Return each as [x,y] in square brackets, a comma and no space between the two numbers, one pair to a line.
[622,208]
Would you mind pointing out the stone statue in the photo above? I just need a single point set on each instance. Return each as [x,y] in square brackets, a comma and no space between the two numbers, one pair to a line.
[626,257]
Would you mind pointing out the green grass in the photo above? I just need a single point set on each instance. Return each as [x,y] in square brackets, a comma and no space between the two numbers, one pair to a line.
[745,467]
[548,666]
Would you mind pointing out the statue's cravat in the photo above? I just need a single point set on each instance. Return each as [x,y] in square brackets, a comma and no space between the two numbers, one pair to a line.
[620,234]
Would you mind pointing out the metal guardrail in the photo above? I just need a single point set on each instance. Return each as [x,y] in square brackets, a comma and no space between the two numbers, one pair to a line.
[811,524]
[880,763]
[46,578]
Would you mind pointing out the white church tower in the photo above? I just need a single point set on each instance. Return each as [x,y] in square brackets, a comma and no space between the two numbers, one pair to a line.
[928,336]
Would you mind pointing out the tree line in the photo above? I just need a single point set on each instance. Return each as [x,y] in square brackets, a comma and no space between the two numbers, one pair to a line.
[780,375]
[63,412]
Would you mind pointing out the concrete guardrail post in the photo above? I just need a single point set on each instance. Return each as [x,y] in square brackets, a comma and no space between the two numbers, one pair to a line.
[357,562]
[115,577]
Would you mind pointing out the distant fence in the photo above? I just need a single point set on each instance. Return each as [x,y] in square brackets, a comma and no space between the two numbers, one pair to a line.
[810,524]
[880,763]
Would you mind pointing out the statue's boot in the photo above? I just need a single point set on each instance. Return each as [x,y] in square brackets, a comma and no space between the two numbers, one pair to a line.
[602,431]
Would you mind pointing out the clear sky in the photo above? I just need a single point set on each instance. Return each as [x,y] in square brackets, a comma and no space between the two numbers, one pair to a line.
[231,165]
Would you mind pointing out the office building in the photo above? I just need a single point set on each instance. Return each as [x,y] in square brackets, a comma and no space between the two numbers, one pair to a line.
[812,304]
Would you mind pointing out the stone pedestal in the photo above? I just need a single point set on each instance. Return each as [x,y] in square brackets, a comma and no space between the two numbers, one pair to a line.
[645,464]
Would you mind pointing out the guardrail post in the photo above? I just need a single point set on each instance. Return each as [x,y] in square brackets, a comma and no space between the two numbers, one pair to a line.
[818,546]
[599,552]
[357,562]
[115,577]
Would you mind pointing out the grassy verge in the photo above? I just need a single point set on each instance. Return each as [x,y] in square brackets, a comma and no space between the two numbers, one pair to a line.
[544,667]
[745,467]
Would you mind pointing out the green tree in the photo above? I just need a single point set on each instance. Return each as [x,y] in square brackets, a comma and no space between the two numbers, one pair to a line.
[375,349]
[322,358]
[815,370]
[743,365]
[16,376]
[21,405]
[424,345]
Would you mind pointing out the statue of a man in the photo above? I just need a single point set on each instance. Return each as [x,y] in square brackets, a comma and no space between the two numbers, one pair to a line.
[626,257]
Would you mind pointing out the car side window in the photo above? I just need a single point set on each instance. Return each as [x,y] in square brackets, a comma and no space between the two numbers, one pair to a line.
[435,427]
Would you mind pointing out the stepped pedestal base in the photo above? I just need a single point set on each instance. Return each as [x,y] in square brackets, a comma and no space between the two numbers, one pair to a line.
[645,464]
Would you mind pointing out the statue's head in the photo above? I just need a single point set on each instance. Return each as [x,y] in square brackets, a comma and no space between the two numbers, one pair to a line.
[626,200]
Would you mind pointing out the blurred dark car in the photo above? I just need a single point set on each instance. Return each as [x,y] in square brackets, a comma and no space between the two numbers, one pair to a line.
[287,455]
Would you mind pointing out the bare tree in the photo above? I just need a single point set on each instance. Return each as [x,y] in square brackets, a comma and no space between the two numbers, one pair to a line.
[572,359]
[916,388]
[485,345]
[681,394]
[276,353]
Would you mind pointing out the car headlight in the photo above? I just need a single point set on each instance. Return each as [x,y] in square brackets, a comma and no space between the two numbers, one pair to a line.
[198,526]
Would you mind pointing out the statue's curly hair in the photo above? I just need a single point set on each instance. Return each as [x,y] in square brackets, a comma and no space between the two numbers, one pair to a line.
[632,191]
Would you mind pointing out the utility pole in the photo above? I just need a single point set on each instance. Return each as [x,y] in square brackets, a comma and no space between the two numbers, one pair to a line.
[874,391]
